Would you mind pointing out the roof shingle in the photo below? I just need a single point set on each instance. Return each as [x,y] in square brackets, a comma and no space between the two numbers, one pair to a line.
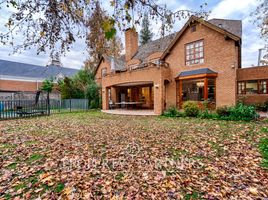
[197,72]
[232,26]
[16,69]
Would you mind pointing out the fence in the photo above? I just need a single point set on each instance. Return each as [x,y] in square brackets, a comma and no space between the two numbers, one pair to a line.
[29,108]
[68,105]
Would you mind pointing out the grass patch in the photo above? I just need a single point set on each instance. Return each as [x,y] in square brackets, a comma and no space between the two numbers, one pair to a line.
[119,176]
[263,146]
[193,195]
[177,153]
[34,157]
[59,187]
[31,142]
[7,196]
[7,146]
[265,129]
[219,149]
[20,186]
[12,166]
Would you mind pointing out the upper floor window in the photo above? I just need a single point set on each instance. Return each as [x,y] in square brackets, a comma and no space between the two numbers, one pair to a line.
[194,53]
[193,28]
[103,72]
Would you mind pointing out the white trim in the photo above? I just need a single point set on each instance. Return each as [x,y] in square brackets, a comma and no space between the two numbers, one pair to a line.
[20,78]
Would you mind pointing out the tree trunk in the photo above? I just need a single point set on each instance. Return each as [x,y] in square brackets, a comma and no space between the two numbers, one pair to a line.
[48,104]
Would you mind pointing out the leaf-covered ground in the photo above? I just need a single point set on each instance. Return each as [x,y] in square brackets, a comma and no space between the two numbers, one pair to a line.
[98,156]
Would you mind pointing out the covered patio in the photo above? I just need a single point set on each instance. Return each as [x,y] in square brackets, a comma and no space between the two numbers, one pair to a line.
[131,96]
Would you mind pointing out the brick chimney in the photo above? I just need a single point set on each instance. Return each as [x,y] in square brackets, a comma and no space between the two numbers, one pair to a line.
[131,43]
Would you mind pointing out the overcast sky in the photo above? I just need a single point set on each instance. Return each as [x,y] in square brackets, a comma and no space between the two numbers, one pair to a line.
[226,9]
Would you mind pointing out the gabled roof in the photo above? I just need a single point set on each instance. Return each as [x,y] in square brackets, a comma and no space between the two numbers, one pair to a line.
[206,23]
[158,45]
[231,28]
[16,69]
[119,63]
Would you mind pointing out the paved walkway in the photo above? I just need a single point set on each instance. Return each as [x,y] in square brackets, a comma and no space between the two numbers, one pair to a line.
[263,114]
[130,112]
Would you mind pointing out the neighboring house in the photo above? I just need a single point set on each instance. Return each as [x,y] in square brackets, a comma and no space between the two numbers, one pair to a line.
[200,62]
[20,78]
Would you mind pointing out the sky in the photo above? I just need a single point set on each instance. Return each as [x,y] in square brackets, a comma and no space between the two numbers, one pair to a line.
[226,9]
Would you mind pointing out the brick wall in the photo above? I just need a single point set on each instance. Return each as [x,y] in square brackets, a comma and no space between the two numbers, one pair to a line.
[220,56]
[252,73]
[10,85]
[104,64]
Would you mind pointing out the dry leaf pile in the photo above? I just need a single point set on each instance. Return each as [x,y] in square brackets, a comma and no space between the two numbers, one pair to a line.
[98,156]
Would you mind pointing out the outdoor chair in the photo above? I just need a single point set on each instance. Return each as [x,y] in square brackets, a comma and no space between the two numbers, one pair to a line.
[111,105]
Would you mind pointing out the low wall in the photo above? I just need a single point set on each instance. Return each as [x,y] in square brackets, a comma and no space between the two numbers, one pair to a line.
[253,98]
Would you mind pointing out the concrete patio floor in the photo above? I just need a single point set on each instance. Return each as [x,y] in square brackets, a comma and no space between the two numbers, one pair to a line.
[130,112]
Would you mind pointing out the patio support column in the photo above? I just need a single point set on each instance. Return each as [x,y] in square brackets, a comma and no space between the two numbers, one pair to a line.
[158,98]
[150,97]
[206,89]
[113,94]
[180,94]
[105,105]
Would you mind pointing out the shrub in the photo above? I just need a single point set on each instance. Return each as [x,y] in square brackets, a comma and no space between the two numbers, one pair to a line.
[266,106]
[240,112]
[171,112]
[94,104]
[208,115]
[191,109]
[223,111]
[263,146]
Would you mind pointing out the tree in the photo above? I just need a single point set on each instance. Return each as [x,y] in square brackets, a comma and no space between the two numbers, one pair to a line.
[69,90]
[261,19]
[97,42]
[82,79]
[82,85]
[47,86]
[55,24]
[145,35]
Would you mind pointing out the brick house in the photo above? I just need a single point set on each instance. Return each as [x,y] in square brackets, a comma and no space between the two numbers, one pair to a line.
[17,78]
[200,62]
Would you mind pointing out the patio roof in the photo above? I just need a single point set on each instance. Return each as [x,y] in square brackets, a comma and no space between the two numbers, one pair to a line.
[196,73]
[135,83]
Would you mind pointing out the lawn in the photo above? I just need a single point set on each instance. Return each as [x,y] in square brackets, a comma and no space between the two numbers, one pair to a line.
[99,156]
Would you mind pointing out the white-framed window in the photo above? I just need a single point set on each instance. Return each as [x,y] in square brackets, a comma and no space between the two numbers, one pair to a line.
[194,53]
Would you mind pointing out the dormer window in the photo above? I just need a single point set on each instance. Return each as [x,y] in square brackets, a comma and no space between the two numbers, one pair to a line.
[59,77]
[103,72]
[220,25]
[193,28]
[194,53]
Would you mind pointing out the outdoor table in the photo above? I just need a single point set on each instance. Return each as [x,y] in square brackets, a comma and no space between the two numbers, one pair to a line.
[128,103]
